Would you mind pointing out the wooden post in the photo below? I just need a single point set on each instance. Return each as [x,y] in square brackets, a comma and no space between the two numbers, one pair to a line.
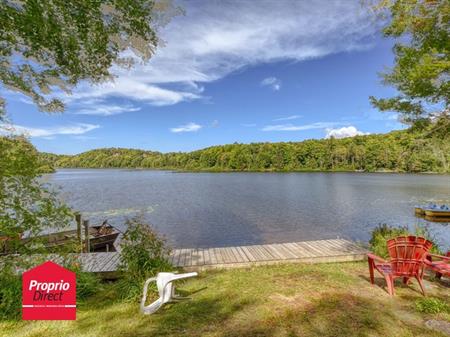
[78,220]
[86,235]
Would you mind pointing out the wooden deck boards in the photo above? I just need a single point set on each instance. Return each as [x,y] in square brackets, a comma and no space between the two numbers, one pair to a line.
[338,250]
[106,264]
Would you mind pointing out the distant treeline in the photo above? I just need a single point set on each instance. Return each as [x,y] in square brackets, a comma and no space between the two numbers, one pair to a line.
[399,151]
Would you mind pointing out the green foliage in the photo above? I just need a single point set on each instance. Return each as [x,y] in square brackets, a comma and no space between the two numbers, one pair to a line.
[26,204]
[50,44]
[19,157]
[27,207]
[10,293]
[383,232]
[143,251]
[398,151]
[432,305]
[143,254]
[87,285]
[422,61]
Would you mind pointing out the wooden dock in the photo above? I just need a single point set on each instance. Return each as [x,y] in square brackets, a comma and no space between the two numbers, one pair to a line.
[195,259]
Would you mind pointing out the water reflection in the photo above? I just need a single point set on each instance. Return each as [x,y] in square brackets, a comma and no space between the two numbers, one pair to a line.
[220,209]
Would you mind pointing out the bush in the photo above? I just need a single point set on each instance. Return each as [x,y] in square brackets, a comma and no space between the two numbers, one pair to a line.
[87,285]
[10,293]
[144,254]
[383,232]
[432,305]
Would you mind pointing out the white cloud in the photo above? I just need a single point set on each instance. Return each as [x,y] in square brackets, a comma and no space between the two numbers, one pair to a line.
[291,127]
[189,127]
[344,132]
[106,109]
[48,133]
[288,118]
[132,88]
[216,38]
[272,82]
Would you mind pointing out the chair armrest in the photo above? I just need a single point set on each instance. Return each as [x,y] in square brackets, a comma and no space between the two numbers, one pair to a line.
[144,295]
[376,258]
[441,257]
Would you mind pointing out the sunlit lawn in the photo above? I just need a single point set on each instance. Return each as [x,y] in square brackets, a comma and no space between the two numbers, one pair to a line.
[285,300]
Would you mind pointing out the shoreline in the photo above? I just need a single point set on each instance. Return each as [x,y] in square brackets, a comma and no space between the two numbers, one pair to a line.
[175,170]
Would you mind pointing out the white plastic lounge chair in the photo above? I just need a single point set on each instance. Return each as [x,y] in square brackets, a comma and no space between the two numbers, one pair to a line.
[166,290]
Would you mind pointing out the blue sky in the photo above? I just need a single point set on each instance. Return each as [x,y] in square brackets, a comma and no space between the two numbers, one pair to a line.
[231,72]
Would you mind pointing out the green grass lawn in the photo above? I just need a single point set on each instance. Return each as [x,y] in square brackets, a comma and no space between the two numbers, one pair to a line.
[283,300]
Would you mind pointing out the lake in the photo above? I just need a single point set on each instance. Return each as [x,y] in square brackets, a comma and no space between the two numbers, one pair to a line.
[223,209]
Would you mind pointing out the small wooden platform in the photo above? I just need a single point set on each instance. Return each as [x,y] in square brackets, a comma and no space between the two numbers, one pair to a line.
[104,264]
[194,259]
[337,250]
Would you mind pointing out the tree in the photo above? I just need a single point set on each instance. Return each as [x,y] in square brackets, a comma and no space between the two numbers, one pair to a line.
[422,61]
[369,152]
[49,45]
[27,205]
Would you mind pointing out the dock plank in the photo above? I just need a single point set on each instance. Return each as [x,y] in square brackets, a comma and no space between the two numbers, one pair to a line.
[302,251]
[181,258]
[313,250]
[248,254]
[338,247]
[189,258]
[322,247]
[212,255]
[290,251]
[197,257]
[206,257]
[226,257]
[112,264]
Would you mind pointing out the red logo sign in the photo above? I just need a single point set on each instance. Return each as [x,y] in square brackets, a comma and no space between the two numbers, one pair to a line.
[49,293]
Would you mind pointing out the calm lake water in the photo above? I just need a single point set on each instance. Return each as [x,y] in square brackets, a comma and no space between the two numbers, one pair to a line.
[221,209]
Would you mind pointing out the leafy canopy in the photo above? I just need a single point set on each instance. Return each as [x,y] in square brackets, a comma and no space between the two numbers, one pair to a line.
[27,205]
[400,151]
[422,61]
[48,45]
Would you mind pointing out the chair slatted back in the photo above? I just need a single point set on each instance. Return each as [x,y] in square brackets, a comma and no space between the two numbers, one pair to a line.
[407,254]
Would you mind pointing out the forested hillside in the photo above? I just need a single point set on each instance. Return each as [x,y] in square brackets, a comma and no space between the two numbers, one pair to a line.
[17,154]
[400,151]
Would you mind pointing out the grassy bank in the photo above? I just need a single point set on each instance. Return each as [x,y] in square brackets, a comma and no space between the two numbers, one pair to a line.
[285,300]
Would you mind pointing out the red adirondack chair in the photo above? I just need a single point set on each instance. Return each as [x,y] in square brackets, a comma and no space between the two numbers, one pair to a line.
[407,254]
[441,267]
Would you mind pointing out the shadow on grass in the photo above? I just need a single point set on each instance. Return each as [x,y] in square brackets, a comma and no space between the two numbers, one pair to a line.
[186,293]
[223,314]
[331,315]
[196,317]
[191,318]
[413,285]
